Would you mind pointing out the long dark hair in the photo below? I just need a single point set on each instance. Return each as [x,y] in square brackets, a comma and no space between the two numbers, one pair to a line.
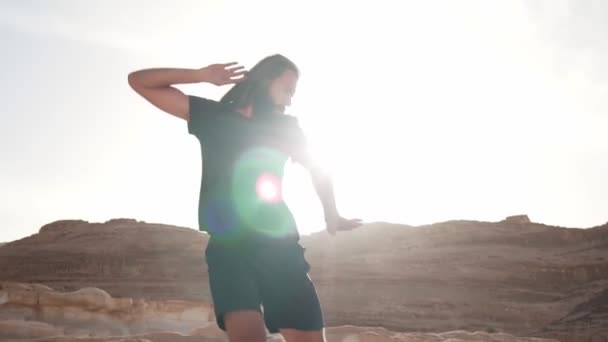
[254,89]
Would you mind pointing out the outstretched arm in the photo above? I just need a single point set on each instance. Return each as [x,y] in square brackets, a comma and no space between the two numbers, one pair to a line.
[157,85]
[323,185]
[324,188]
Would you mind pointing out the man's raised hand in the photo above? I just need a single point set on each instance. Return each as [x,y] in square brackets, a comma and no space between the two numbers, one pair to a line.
[224,73]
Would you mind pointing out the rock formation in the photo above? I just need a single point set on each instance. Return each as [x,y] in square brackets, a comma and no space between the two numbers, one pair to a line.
[518,219]
[32,310]
[496,278]
[38,313]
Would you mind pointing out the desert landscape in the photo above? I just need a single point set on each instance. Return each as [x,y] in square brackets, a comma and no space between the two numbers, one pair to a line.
[128,280]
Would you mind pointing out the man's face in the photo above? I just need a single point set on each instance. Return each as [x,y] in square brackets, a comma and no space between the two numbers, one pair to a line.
[281,89]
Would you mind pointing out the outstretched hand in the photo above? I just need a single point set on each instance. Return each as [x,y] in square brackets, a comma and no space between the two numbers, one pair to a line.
[225,73]
[342,224]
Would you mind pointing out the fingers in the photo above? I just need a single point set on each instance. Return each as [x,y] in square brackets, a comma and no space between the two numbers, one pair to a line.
[237,78]
[345,228]
[240,73]
[225,65]
[342,228]
[236,68]
[349,224]
[236,74]
[344,225]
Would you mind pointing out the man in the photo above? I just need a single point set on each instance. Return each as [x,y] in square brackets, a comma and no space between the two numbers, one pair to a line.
[253,255]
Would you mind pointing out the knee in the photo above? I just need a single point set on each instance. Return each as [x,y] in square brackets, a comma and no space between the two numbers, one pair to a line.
[244,335]
[247,337]
[292,335]
[245,327]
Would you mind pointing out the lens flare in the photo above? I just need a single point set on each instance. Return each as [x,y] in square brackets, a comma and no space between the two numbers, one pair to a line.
[268,188]
[257,193]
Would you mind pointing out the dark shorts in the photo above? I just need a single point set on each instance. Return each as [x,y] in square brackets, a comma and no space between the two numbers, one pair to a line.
[273,274]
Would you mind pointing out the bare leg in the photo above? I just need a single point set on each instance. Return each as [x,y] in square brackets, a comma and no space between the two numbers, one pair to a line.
[245,326]
[293,335]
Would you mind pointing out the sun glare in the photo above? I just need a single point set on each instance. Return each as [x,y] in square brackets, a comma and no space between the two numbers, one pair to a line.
[435,148]
[268,188]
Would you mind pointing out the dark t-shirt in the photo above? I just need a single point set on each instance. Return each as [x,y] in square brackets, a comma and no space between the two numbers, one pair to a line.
[243,162]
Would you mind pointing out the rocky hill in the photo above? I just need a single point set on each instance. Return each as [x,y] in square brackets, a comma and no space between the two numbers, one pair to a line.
[513,277]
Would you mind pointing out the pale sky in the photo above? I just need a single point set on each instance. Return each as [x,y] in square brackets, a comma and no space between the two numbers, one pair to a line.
[425,111]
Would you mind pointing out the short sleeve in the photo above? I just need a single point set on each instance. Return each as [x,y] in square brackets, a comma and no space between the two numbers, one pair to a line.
[202,113]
